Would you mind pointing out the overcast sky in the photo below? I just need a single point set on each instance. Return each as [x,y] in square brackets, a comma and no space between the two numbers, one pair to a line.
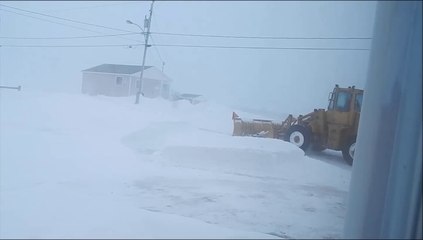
[285,81]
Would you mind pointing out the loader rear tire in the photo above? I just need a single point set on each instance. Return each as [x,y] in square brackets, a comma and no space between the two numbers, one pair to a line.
[300,136]
[348,151]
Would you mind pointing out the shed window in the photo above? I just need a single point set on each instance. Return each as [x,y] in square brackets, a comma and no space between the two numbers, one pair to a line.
[119,80]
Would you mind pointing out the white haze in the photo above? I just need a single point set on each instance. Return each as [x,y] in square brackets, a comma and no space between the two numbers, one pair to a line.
[74,165]
[272,81]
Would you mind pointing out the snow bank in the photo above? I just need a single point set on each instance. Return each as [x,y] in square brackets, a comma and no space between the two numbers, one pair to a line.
[76,166]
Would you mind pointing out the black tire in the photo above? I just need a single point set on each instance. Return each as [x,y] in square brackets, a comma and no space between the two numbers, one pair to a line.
[299,136]
[348,151]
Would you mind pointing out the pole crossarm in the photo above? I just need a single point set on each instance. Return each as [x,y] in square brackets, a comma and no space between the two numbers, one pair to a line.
[8,87]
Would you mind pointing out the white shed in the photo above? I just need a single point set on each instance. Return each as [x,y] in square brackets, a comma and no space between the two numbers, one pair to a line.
[124,80]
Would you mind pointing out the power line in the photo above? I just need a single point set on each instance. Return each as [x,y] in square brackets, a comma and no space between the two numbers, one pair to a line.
[134,33]
[182,34]
[157,49]
[75,21]
[76,37]
[196,35]
[97,6]
[63,24]
[152,40]
[69,20]
[42,19]
[263,48]
[69,46]
[176,34]
[196,46]
[260,37]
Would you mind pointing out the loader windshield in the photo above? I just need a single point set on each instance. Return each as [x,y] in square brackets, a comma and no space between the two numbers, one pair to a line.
[343,101]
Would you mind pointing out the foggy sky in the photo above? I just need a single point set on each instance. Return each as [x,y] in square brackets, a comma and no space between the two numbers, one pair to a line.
[282,81]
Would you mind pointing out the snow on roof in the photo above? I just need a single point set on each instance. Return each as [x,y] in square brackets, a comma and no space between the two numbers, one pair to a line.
[116,68]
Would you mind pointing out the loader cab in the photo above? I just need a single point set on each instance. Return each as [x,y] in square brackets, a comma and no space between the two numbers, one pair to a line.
[345,99]
[342,116]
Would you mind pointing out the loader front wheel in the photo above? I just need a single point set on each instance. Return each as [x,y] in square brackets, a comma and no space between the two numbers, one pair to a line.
[299,136]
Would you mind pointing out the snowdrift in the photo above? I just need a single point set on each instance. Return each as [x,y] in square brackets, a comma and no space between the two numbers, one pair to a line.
[74,166]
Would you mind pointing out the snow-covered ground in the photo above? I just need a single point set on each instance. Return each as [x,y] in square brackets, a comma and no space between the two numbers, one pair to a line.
[97,167]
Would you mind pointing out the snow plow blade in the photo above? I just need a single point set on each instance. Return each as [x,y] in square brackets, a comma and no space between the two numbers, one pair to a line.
[261,127]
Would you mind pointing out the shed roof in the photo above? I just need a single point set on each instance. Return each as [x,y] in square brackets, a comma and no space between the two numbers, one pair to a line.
[116,68]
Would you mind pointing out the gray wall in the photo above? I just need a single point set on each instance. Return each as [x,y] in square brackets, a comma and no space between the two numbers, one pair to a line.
[385,197]
[104,84]
[151,87]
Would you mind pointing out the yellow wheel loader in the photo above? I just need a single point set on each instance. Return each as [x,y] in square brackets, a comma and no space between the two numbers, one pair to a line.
[334,128]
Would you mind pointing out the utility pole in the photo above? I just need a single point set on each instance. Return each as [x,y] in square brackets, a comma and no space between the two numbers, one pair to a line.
[147,24]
